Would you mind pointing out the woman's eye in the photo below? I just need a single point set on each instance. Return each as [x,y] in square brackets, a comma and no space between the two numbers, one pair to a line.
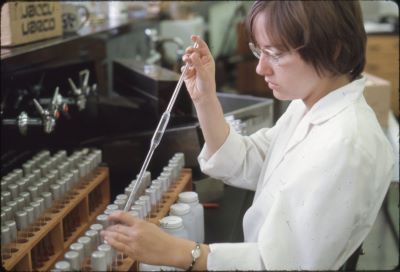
[272,53]
[276,54]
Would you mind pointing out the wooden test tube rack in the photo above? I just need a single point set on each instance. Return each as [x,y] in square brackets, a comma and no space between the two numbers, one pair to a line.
[78,203]
[184,183]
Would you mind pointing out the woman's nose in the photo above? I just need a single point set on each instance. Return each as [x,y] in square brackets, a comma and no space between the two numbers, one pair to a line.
[263,66]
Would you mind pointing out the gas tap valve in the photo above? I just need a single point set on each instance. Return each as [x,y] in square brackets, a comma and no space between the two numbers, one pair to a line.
[84,89]
[48,118]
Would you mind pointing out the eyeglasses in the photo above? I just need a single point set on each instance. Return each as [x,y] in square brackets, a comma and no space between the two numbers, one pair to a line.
[273,58]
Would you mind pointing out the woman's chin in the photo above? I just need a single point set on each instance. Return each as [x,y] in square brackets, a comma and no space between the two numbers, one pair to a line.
[280,96]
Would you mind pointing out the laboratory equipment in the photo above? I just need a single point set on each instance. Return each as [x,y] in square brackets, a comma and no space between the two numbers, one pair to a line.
[156,139]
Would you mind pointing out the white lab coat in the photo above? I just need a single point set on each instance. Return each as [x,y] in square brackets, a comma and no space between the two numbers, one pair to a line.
[320,178]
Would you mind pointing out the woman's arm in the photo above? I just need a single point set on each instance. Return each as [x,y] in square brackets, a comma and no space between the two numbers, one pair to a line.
[200,83]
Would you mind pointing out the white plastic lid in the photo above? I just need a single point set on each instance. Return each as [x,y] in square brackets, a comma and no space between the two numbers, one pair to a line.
[76,246]
[134,213]
[84,240]
[121,196]
[71,254]
[112,207]
[63,265]
[144,197]
[98,254]
[179,209]
[188,197]
[96,227]
[171,222]
[102,217]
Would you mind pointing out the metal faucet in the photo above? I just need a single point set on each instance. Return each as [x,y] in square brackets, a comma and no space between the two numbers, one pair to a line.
[79,97]
[47,117]
[83,91]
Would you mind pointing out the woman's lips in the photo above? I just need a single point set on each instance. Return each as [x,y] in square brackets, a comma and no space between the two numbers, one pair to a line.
[272,85]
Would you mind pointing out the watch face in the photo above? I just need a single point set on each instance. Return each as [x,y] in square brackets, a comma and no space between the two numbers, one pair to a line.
[196,252]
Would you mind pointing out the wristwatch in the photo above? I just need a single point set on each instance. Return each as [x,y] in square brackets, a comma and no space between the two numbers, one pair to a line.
[196,252]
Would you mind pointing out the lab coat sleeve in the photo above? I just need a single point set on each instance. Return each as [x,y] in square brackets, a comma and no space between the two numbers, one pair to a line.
[239,160]
[234,256]
[323,212]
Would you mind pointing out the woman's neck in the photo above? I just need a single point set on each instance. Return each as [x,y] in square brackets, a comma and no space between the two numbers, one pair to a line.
[326,86]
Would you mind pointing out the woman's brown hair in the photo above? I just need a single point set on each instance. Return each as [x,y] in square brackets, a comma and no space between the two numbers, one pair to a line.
[330,34]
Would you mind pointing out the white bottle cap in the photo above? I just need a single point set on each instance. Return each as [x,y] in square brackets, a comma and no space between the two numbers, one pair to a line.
[188,197]
[171,222]
[134,213]
[63,266]
[112,207]
[179,209]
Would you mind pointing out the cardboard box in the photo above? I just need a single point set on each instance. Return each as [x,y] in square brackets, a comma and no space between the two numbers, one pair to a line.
[24,22]
[377,93]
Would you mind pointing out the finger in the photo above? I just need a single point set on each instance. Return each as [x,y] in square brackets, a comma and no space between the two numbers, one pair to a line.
[201,44]
[197,63]
[190,73]
[122,217]
[118,245]
[127,231]
[122,238]
[186,58]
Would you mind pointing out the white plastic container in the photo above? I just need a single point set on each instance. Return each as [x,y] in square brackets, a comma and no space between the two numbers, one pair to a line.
[192,199]
[174,226]
[183,211]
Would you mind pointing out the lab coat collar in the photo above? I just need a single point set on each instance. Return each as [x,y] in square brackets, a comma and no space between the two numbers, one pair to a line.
[335,102]
[326,108]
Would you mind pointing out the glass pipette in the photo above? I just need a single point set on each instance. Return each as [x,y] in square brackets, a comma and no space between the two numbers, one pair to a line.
[158,134]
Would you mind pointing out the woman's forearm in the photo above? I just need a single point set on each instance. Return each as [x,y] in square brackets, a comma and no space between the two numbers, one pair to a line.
[212,122]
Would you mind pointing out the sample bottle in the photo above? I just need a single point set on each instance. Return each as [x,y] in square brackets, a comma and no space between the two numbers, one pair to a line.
[98,261]
[192,199]
[174,226]
[183,211]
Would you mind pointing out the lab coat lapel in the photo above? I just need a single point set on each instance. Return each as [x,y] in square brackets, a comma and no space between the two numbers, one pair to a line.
[284,142]
[299,134]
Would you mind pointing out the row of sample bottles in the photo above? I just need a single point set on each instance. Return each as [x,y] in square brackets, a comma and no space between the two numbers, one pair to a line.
[42,185]
[90,253]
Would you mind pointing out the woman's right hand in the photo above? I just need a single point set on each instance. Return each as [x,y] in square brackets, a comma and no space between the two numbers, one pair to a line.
[200,75]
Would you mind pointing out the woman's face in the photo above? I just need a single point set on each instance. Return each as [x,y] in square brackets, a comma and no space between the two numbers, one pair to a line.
[291,78]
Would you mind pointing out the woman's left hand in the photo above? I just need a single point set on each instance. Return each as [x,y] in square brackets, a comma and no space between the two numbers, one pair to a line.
[142,241]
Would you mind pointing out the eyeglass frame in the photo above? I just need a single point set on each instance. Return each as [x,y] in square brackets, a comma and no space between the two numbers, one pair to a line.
[273,58]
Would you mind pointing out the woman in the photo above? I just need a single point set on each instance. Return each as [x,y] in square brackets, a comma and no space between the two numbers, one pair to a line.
[320,174]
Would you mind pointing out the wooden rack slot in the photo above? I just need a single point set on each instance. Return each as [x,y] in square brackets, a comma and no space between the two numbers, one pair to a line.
[56,228]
